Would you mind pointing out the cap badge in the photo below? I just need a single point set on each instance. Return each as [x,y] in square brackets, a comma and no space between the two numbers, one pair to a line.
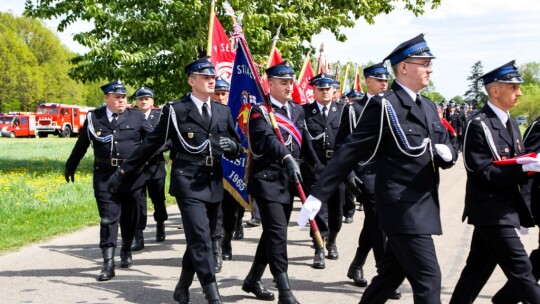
[287,64]
[322,75]
[119,81]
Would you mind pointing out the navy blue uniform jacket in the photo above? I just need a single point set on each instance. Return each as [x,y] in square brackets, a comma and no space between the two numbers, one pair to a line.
[406,188]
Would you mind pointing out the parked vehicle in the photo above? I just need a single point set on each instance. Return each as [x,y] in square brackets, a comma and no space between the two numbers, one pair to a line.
[21,125]
[522,119]
[5,121]
[60,119]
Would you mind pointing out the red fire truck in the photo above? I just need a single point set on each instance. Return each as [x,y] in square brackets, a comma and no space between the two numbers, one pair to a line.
[60,119]
[21,125]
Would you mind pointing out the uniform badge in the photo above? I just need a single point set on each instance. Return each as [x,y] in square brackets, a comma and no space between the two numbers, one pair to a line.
[314,111]
[98,133]
[190,135]
[506,150]
[334,109]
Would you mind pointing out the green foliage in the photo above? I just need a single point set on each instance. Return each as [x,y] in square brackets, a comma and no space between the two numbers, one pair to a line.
[529,102]
[150,42]
[34,65]
[475,95]
[36,203]
[458,99]
[530,72]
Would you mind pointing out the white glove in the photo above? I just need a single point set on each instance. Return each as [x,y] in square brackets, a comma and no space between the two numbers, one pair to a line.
[534,167]
[526,160]
[309,210]
[444,152]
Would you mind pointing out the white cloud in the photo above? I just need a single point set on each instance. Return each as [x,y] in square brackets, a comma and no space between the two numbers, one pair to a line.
[459,33]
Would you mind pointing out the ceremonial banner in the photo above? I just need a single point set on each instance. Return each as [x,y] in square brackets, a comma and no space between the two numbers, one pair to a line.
[222,56]
[357,81]
[305,90]
[345,86]
[243,94]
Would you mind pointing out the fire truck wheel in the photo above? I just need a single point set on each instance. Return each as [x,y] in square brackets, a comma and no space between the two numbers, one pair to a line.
[12,135]
[66,132]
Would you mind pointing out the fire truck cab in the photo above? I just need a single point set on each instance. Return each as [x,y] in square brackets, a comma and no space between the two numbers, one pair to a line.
[21,125]
[60,119]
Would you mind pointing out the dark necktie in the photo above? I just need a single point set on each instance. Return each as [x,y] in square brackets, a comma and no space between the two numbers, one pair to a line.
[419,101]
[113,121]
[324,115]
[205,115]
[509,129]
[284,108]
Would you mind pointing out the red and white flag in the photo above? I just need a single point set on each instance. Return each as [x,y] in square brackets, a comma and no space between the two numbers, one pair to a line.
[303,90]
[222,51]
[357,81]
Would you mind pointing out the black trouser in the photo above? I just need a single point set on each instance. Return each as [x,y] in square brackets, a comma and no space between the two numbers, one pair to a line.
[199,219]
[117,209]
[349,204]
[272,247]
[492,246]
[371,236]
[255,213]
[155,188]
[410,256]
[232,212]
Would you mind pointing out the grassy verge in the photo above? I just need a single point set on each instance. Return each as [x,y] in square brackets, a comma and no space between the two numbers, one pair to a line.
[36,203]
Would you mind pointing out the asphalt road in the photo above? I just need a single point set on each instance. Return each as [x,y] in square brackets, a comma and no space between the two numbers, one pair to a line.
[63,270]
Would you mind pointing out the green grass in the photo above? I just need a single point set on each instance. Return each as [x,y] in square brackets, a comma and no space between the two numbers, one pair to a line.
[36,203]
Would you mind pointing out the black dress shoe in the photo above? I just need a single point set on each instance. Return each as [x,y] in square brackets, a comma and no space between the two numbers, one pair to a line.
[107,271]
[357,275]
[125,256]
[138,242]
[348,220]
[332,251]
[254,222]
[226,247]
[239,233]
[181,295]
[218,262]
[396,295]
[258,289]
[318,260]
[160,231]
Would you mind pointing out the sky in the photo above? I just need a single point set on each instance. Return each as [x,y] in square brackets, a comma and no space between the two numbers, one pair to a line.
[459,33]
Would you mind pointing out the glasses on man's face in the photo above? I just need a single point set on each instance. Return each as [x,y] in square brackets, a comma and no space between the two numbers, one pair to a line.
[426,65]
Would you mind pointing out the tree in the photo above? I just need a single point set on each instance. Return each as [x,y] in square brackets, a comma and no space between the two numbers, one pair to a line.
[430,93]
[529,102]
[34,66]
[530,72]
[458,99]
[150,42]
[475,95]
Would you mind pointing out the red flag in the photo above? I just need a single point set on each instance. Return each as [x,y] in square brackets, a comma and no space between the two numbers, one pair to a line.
[273,59]
[357,82]
[303,90]
[222,51]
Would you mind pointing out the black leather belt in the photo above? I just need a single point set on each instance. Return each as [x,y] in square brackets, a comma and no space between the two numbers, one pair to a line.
[325,153]
[155,161]
[114,162]
[199,159]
